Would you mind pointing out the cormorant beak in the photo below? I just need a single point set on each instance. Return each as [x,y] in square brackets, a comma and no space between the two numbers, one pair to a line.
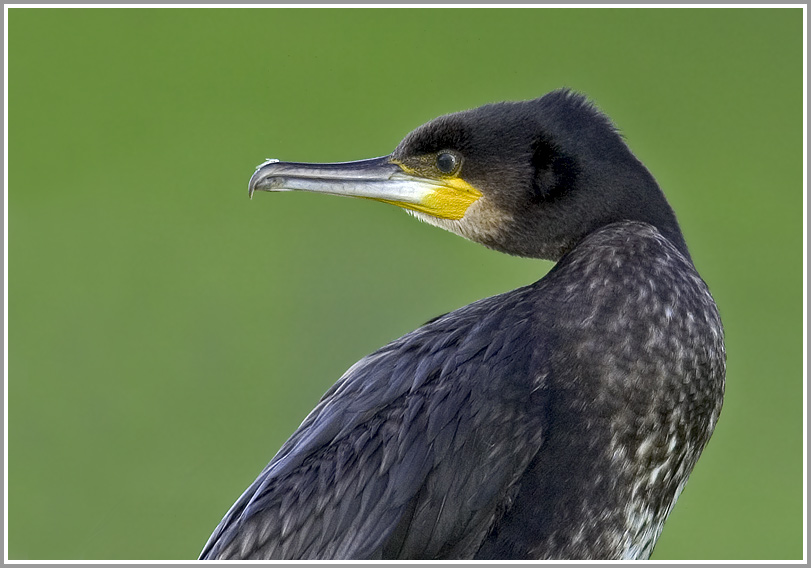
[381,179]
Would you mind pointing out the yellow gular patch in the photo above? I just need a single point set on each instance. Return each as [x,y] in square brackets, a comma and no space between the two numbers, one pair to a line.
[451,199]
[447,198]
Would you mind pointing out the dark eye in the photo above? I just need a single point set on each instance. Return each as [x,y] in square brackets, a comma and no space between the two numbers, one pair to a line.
[446,162]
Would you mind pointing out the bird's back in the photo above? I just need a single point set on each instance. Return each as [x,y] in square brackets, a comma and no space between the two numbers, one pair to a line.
[635,387]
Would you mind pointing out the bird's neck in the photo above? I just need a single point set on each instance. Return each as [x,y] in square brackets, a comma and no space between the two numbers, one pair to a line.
[648,206]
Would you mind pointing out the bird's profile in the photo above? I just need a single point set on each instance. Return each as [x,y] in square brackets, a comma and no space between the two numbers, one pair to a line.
[560,420]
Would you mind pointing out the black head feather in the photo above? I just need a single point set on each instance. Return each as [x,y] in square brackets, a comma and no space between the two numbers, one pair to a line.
[555,169]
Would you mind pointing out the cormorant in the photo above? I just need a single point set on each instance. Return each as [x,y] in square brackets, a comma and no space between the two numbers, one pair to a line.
[557,421]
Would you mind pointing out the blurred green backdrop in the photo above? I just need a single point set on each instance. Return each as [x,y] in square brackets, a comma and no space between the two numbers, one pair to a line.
[166,334]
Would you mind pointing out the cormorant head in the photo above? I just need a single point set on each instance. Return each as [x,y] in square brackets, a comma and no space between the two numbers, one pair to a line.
[529,178]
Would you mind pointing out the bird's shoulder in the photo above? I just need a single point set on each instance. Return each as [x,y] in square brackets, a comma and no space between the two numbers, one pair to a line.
[626,293]
[629,272]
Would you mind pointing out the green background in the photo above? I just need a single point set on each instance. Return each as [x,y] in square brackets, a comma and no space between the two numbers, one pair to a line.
[166,334]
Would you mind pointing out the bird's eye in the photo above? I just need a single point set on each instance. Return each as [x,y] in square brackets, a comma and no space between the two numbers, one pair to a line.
[446,162]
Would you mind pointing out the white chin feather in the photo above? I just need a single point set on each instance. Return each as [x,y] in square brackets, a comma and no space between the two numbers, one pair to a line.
[454,226]
[480,224]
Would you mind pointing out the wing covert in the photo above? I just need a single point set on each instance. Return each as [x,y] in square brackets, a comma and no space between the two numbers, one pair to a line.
[368,472]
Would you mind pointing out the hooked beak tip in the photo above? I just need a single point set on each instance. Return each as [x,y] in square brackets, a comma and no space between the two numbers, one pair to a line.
[258,176]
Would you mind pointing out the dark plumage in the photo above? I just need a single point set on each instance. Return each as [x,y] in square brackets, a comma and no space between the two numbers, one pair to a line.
[560,420]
